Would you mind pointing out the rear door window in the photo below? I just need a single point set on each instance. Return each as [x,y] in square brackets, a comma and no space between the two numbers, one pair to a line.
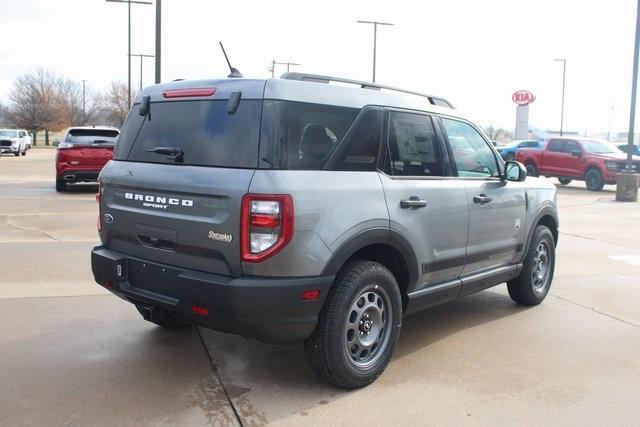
[205,132]
[413,145]
[556,146]
[360,146]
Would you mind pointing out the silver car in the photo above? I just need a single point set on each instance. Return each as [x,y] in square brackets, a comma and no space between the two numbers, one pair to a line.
[300,210]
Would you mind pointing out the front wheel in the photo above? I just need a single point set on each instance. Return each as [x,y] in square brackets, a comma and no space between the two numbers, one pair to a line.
[593,179]
[534,281]
[358,326]
[17,153]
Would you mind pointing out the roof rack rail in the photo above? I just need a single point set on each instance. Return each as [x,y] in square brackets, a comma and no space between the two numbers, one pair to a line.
[317,78]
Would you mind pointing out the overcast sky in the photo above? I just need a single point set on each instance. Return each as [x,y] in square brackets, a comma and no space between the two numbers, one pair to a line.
[475,53]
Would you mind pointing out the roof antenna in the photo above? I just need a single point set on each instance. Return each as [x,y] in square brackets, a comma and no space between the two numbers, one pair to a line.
[234,71]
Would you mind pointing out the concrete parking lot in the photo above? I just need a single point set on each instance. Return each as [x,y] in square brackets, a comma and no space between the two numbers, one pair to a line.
[70,353]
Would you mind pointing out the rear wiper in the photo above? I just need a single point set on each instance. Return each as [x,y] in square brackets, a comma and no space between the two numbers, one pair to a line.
[175,152]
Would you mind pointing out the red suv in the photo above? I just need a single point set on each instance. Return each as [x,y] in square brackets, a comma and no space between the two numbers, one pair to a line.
[82,153]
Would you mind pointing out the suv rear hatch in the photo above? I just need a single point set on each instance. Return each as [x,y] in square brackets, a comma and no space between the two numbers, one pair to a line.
[174,191]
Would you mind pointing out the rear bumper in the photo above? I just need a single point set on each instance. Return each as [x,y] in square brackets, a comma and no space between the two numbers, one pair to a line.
[268,309]
[87,175]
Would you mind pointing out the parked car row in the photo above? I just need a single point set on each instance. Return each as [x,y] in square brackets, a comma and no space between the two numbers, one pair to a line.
[14,141]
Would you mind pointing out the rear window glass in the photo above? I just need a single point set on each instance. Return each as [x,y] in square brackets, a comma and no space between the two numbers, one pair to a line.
[92,136]
[302,136]
[205,132]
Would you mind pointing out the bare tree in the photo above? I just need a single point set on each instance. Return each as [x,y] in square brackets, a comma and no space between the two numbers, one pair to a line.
[115,103]
[35,103]
[78,111]
[4,116]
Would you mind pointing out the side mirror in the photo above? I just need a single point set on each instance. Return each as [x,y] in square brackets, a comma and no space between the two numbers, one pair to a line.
[576,153]
[56,142]
[515,171]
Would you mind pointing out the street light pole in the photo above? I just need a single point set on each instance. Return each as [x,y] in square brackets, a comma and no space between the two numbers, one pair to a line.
[564,72]
[141,56]
[158,38]
[375,40]
[84,105]
[129,42]
[629,180]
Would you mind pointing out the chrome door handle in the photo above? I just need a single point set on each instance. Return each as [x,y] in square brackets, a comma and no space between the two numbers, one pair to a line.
[482,199]
[413,202]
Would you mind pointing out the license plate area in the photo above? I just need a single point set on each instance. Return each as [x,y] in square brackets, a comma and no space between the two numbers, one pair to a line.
[152,277]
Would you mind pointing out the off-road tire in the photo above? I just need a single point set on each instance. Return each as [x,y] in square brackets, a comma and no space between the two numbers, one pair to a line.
[160,317]
[327,348]
[564,181]
[61,185]
[524,289]
[593,180]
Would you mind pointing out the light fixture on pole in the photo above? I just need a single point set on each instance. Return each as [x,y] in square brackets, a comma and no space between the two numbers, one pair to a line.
[375,40]
[564,72]
[288,64]
[142,56]
[129,2]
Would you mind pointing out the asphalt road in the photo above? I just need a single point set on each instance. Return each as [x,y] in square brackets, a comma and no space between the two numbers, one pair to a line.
[70,353]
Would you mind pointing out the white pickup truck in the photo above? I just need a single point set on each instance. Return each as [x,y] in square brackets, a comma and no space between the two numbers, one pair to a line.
[16,141]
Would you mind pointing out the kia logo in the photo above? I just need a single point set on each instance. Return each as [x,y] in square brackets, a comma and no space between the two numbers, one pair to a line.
[523,97]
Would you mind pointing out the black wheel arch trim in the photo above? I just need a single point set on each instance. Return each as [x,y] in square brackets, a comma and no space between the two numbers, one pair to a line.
[374,236]
[546,210]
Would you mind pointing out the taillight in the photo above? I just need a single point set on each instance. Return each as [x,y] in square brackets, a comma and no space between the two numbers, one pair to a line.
[99,199]
[267,225]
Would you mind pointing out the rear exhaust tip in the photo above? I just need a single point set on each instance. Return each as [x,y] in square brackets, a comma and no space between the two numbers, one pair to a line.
[70,178]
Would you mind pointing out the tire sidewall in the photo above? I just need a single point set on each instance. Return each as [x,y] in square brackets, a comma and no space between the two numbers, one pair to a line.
[382,277]
[599,184]
[541,233]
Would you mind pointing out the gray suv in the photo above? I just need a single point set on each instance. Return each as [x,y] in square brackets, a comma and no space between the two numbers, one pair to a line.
[300,210]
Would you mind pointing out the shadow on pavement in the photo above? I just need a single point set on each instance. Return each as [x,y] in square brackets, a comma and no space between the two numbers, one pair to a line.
[268,382]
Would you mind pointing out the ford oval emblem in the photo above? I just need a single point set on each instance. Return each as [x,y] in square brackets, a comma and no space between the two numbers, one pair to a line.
[108,218]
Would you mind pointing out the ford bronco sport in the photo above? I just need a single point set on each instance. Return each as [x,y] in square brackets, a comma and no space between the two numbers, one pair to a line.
[298,210]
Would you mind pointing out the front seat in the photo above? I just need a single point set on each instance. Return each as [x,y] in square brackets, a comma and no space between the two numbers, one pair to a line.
[315,146]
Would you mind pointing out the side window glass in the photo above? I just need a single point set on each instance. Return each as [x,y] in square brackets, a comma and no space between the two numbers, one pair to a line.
[471,153]
[413,146]
[556,146]
[572,146]
[359,148]
[314,132]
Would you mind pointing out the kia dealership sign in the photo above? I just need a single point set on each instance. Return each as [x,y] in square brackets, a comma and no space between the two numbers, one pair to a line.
[523,97]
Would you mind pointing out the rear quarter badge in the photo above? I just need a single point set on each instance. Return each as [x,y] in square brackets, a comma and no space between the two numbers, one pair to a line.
[221,237]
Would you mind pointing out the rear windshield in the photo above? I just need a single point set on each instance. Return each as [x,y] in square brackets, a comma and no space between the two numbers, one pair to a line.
[204,131]
[92,136]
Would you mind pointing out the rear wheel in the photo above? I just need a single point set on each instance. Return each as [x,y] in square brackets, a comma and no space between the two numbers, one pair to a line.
[531,170]
[593,179]
[61,185]
[509,157]
[160,317]
[358,326]
[534,281]
[564,181]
